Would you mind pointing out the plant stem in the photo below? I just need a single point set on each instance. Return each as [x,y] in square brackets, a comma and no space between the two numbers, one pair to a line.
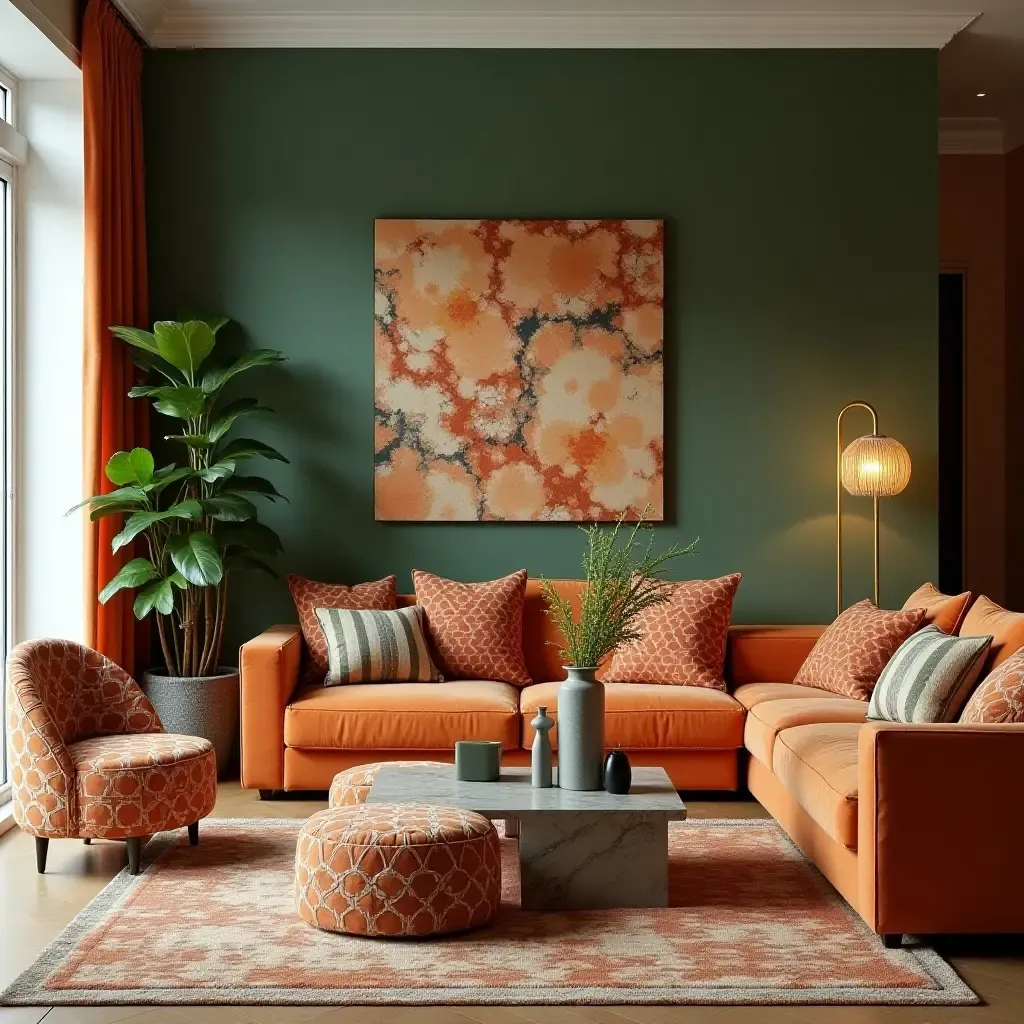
[168,657]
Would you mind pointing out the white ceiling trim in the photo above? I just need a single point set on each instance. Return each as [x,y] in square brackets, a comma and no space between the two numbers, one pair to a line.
[971,136]
[209,23]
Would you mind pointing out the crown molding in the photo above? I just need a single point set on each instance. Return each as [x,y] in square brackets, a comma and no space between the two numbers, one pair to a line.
[252,23]
[971,136]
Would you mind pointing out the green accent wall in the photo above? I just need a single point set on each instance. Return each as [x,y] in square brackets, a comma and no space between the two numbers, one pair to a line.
[799,191]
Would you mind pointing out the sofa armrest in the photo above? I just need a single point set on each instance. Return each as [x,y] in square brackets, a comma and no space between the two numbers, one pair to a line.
[941,827]
[268,669]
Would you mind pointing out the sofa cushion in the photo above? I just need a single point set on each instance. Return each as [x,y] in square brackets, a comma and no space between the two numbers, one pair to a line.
[752,694]
[946,611]
[1006,628]
[851,653]
[642,716]
[309,595]
[683,638]
[1000,698]
[402,716]
[818,766]
[476,628]
[768,718]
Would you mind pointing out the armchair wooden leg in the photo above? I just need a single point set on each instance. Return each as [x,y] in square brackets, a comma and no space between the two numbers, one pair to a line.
[134,854]
[41,847]
[893,941]
[87,841]
[193,834]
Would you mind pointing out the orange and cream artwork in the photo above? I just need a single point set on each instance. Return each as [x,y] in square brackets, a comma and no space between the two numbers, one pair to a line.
[518,369]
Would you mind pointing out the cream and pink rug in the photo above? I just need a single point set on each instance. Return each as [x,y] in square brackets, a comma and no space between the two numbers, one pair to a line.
[750,921]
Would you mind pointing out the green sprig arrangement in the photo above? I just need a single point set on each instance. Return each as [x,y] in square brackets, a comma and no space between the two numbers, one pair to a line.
[623,578]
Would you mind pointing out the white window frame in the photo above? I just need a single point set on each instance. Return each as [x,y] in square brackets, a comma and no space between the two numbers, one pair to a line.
[13,150]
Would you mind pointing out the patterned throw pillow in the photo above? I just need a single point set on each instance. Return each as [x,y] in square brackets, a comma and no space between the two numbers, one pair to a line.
[929,678]
[946,611]
[850,655]
[376,647]
[309,595]
[684,638]
[476,628]
[1000,698]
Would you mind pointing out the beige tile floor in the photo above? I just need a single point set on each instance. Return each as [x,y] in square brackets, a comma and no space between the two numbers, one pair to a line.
[35,908]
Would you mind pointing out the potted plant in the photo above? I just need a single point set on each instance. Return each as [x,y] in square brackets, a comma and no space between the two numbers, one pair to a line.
[196,522]
[623,578]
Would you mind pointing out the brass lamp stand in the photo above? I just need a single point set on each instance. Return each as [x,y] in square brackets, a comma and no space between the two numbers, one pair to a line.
[875,466]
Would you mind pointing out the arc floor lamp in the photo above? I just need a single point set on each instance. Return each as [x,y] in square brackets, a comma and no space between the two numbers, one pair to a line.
[875,466]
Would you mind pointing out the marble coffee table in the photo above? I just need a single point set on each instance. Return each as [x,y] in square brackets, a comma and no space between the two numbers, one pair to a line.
[577,851]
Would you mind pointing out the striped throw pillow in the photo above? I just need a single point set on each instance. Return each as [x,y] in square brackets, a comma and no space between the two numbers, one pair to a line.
[929,678]
[376,646]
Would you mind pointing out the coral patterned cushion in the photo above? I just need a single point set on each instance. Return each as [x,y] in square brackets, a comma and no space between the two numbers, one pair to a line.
[353,786]
[683,639]
[309,595]
[1000,698]
[849,656]
[397,871]
[141,784]
[476,628]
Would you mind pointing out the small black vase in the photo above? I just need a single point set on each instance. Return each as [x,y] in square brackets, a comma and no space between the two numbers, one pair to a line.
[618,776]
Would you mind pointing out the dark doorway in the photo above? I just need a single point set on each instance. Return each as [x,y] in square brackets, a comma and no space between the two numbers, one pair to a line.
[951,432]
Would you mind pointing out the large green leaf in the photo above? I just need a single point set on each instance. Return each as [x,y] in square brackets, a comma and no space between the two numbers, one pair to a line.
[134,467]
[153,363]
[247,448]
[252,485]
[111,509]
[143,520]
[131,574]
[166,476]
[183,403]
[137,337]
[229,508]
[218,471]
[245,561]
[215,323]
[214,379]
[249,536]
[231,412]
[197,557]
[158,595]
[192,440]
[131,495]
[184,345]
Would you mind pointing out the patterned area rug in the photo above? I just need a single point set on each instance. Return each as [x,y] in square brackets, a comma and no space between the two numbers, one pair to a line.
[750,922]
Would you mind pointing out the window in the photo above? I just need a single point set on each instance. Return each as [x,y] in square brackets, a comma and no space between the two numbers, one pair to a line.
[6,97]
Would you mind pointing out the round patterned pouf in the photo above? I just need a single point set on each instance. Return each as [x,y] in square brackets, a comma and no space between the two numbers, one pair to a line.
[397,870]
[353,785]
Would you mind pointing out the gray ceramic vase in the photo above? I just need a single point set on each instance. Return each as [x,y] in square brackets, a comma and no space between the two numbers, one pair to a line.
[540,756]
[581,730]
[204,706]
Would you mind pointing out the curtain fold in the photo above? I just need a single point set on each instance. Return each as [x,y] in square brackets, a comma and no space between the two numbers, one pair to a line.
[116,292]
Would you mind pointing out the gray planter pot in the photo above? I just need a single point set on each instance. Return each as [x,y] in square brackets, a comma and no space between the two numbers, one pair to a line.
[204,706]
[581,730]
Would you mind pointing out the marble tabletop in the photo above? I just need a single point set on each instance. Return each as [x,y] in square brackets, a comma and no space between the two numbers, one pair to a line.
[652,793]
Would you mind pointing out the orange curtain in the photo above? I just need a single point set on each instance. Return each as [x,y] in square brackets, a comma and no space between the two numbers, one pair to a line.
[116,292]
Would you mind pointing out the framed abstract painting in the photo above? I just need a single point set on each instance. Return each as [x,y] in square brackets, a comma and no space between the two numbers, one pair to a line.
[518,370]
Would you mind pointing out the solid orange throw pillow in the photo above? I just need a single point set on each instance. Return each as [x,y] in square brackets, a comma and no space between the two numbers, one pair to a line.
[1006,628]
[1000,698]
[309,595]
[946,611]
[684,638]
[850,655]
[476,628]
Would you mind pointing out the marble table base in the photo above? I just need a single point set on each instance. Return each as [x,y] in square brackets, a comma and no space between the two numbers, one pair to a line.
[589,860]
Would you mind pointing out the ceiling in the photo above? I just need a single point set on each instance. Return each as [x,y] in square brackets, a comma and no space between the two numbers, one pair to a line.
[982,41]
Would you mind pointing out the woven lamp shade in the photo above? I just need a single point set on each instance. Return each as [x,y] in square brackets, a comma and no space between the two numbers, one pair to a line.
[876,466]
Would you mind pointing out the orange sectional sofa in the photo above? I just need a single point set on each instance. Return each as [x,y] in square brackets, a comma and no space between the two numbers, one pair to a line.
[919,827]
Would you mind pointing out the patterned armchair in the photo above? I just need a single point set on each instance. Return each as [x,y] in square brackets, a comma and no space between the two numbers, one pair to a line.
[89,757]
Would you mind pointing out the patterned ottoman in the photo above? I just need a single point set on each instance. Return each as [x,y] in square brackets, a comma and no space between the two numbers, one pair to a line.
[352,786]
[397,871]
